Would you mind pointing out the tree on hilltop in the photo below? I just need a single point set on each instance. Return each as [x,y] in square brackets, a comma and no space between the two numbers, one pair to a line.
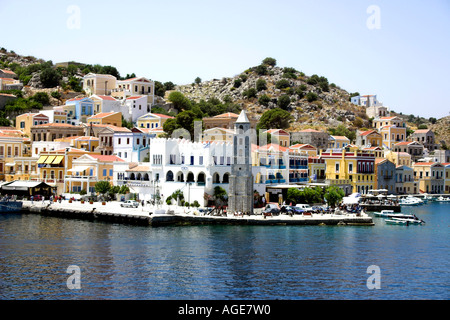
[274,118]
[270,61]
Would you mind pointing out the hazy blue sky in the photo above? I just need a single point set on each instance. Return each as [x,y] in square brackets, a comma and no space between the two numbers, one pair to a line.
[399,50]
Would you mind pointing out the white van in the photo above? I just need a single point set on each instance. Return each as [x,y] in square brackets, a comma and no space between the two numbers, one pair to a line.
[304,207]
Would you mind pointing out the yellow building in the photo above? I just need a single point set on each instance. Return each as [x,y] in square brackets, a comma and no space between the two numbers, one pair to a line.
[307,149]
[337,142]
[430,176]
[53,165]
[25,121]
[368,139]
[399,158]
[108,118]
[447,177]
[104,103]
[21,168]
[379,152]
[135,86]
[152,120]
[354,169]
[388,121]
[218,134]
[317,168]
[392,135]
[86,143]
[11,147]
[101,84]
[404,180]
[89,169]
[279,136]
[226,121]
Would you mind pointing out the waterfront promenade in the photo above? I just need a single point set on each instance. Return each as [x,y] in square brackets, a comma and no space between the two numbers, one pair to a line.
[172,215]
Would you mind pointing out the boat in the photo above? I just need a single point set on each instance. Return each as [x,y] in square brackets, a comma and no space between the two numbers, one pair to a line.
[443,199]
[410,201]
[427,198]
[405,221]
[10,206]
[392,214]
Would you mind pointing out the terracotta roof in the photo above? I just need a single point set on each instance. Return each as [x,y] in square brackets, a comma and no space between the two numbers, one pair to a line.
[302,146]
[422,131]
[403,143]
[115,128]
[134,97]
[163,116]
[7,71]
[365,133]
[424,163]
[227,115]
[106,98]
[280,132]
[139,168]
[102,115]
[274,146]
[101,157]
[340,138]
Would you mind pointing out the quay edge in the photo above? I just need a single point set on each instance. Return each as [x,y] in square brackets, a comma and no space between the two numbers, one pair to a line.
[144,218]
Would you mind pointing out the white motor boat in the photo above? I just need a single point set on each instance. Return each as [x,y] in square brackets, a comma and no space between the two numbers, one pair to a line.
[411,201]
[443,199]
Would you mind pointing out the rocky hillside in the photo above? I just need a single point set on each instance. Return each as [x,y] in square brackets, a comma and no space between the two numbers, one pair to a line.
[441,130]
[313,102]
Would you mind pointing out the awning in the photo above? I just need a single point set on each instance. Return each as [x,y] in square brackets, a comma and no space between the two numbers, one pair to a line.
[10,164]
[50,159]
[79,169]
[42,159]
[58,160]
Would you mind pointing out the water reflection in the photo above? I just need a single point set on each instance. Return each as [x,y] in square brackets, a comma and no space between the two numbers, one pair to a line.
[220,262]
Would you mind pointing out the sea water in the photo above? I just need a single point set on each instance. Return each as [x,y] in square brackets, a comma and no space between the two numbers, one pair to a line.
[57,258]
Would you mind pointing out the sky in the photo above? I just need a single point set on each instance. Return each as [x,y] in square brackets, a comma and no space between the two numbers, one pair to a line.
[396,49]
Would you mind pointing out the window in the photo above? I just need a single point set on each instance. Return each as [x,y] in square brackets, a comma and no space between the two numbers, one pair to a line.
[120,141]
[350,167]
[110,172]
[200,160]
[337,167]
[104,172]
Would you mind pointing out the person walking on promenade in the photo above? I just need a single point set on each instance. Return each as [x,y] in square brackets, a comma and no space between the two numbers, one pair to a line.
[32,198]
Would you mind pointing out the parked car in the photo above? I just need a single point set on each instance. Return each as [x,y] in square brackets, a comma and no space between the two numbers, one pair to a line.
[285,209]
[130,204]
[304,207]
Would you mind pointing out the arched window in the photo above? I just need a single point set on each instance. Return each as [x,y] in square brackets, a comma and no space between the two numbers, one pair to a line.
[190,177]
[180,176]
[226,178]
[201,178]
[216,178]
[169,176]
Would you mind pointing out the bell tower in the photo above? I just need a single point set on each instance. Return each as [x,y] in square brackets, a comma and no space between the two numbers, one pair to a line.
[240,196]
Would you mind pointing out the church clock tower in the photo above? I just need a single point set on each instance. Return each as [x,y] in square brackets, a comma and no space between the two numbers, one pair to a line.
[240,196]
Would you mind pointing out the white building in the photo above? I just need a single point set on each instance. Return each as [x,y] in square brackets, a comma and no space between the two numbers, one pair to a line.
[133,146]
[374,107]
[42,146]
[101,84]
[134,107]
[103,104]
